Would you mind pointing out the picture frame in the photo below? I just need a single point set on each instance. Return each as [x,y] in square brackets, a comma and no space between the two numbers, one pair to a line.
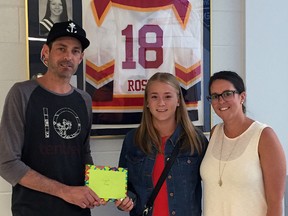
[114,113]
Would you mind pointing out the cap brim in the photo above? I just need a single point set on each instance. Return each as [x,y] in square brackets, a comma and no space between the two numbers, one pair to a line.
[83,40]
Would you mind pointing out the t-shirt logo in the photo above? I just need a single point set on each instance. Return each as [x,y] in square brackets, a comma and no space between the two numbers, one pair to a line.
[66,123]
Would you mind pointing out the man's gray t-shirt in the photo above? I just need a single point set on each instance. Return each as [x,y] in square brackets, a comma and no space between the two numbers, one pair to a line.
[49,133]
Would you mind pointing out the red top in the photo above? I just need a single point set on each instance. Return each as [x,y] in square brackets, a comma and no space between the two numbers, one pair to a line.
[160,207]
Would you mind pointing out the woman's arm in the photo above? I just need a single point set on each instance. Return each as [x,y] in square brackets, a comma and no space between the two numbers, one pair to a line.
[273,164]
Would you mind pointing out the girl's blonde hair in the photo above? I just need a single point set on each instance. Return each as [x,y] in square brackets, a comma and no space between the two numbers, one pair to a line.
[147,136]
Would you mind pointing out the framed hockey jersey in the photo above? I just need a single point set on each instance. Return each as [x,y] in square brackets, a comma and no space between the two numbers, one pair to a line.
[132,40]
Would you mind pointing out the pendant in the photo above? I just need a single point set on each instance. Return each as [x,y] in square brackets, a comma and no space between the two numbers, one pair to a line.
[220,182]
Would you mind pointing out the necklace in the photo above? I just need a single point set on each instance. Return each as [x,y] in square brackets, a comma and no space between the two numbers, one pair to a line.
[220,182]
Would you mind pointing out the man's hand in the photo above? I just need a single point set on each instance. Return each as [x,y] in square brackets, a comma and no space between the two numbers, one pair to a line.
[81,196]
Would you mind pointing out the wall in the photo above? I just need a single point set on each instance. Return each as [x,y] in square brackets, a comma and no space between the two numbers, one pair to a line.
[12,67]
[266,67]
[228,52]
[267,63]
[227,38]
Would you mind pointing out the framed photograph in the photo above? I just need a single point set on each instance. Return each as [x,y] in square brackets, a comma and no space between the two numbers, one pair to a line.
[130,41]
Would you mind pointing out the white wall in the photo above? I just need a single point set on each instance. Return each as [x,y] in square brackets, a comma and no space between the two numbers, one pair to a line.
[12,67]
[228,53]
[267,64]
[227,39]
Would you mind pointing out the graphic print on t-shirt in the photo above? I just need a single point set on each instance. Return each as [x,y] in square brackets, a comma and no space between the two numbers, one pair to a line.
[66,123]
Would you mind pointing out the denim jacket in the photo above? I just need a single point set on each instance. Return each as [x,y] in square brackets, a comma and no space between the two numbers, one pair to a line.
[183,181]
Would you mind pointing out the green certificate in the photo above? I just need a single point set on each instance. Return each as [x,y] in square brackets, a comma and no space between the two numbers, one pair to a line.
[107,182]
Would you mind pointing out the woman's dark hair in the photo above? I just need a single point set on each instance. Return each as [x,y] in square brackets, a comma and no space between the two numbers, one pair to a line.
[64,14]
[231,77]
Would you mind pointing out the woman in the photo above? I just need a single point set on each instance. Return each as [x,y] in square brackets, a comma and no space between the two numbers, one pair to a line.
[244,167]
[56,11]
[165,123]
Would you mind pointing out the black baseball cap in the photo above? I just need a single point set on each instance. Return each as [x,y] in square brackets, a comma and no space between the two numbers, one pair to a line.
[70,29]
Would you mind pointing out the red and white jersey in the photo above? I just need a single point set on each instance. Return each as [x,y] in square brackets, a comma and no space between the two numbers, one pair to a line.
[133,39]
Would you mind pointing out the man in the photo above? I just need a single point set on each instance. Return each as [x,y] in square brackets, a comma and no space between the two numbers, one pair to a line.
[44,133]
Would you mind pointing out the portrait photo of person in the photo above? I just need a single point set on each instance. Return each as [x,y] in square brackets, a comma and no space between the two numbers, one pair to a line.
[53,11]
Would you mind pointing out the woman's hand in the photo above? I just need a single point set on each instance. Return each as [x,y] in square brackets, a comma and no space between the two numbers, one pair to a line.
[125,204]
